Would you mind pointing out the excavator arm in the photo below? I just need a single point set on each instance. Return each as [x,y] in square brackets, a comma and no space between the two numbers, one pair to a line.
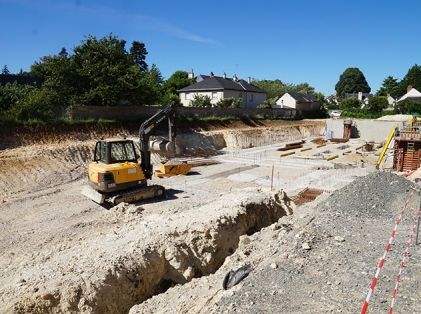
[145,132]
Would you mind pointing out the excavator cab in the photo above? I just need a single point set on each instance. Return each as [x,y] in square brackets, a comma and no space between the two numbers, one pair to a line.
[114,151]
[115,166]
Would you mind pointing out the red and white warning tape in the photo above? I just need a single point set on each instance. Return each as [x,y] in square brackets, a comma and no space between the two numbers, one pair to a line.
[387,250]
[402,264]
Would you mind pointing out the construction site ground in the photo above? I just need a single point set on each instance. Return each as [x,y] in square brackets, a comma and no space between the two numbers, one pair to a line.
[63,253]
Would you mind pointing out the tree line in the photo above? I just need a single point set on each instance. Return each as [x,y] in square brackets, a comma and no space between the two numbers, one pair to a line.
[352,81]
[101,72]
[107,72]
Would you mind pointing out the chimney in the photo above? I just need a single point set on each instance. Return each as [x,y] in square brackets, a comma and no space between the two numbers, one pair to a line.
[191,74]
[408,88]
[224,75]
[234,78]
[211,74]
[249,79]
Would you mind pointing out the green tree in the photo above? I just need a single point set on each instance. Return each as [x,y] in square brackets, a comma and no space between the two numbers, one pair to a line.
[151,87]
[63,52]
[377,103]
[352,80]
[5,70]
[301,88]
[273,88]
[413,78]
[59,77]
[38,104]
[276,88]
[390,86]
[106,75]
[138,54]
[350,103]
[201,101]
[407,106]
[11,94]
[178,80]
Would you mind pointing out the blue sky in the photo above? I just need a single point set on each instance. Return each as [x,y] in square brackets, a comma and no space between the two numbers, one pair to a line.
[296,41]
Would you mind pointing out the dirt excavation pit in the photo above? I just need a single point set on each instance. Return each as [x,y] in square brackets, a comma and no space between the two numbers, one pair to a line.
[305,196]
[63,253]
[113,272]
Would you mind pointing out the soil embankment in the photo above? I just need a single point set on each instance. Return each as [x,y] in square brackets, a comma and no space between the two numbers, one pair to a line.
[39,157]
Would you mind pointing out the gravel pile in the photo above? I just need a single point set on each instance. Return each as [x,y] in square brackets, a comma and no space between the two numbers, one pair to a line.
[369,196]
[326,262]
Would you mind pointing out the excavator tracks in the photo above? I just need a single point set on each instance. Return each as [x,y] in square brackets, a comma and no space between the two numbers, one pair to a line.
[136,195]
[129,196]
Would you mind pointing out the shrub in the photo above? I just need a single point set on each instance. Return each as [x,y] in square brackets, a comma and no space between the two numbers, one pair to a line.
[229,103]
[350,103]
[377,103]
[237,103]
[264,105]
[364,113]
[201,101]
[268,103]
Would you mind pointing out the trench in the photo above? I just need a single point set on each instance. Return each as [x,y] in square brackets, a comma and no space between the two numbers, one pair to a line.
[196,253]
[198,249]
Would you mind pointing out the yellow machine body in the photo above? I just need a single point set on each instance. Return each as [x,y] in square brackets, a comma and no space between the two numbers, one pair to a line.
[123,172]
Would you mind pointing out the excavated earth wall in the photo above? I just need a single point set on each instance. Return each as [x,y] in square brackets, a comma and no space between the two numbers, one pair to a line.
[56,158]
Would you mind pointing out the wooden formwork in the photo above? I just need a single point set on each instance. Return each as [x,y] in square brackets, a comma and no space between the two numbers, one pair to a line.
[407,154]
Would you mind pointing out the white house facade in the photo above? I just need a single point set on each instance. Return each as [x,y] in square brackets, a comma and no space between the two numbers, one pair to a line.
[299,101]
[221,87]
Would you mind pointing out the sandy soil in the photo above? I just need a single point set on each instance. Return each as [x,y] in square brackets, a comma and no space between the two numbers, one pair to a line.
[63,253]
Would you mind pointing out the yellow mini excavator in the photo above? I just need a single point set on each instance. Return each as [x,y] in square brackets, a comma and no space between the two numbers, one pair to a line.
[115,176]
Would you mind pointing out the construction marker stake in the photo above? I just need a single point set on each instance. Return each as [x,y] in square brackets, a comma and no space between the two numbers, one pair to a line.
[402,263]
[383,258]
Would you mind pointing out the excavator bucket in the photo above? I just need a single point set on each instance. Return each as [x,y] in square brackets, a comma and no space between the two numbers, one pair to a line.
[93,195]
[173,168]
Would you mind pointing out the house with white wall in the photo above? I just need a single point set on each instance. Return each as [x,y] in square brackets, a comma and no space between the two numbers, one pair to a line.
[299,101]
[221,87]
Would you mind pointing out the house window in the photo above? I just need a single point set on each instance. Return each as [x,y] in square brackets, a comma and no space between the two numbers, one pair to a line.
[214,95]
[186,96]
[251,97]
[240,95]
